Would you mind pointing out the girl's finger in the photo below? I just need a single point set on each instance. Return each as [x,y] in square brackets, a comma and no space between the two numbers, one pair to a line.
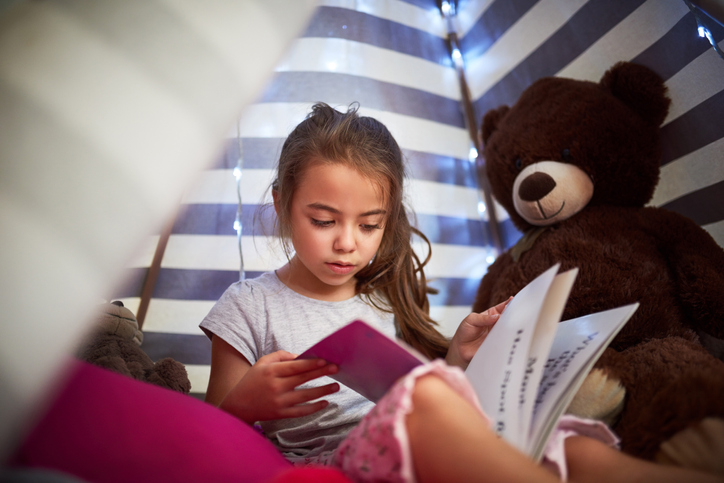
[482,319]
[301,396]
[299,379]
[278,356]
[303,409]
[501,306]
[299,366]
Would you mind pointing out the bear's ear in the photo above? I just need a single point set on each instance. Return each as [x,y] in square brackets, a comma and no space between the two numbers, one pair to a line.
[491,120]
[640,88]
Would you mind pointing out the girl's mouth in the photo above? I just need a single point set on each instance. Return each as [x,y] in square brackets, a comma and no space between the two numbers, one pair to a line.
[340,268]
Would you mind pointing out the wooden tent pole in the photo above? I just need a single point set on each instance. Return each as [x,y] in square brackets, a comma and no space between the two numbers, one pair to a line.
[472,125]
[150,283]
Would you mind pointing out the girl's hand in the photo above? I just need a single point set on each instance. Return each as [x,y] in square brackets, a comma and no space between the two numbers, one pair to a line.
[268,390]
[471,333]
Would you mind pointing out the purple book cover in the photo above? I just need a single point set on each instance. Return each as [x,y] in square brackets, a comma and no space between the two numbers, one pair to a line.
[369,361]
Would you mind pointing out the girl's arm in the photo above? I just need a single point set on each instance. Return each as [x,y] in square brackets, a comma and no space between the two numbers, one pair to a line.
[228,366]
[471,332]
[266,390]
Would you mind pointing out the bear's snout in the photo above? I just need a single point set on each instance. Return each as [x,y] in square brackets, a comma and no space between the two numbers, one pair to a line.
[548,192]
[536,186]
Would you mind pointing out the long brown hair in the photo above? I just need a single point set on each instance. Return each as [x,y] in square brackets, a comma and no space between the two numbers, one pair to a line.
[394,281]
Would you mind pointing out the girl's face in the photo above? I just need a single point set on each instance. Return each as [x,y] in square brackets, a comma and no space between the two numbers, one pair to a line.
[338,218]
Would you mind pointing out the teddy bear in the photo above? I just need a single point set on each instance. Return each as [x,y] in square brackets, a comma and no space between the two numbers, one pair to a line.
[114,344]
[574,163]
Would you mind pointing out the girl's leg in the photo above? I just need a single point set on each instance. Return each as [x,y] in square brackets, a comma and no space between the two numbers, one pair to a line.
[590,461]
[450,441]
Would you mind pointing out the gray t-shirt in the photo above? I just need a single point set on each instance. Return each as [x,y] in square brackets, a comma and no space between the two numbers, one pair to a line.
[262,315]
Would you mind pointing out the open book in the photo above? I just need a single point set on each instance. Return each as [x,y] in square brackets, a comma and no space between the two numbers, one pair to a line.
[525,373]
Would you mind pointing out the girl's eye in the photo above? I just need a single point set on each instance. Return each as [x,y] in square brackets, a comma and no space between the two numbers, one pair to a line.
[518,163]
[322,223]
[566,154]
[370,227]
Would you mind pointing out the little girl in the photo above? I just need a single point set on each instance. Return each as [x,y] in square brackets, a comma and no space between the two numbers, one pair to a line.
[339,203]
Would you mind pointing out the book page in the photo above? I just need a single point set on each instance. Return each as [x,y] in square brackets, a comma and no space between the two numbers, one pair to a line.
[497,369]
[369,361]
[540,346]
[577,346]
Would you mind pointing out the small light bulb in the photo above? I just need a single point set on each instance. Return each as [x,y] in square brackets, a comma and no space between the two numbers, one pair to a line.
[473,155]
[445,7]
[702,32]
[237,226]
[237,173]
[490,259]
[481,207]
[456,55]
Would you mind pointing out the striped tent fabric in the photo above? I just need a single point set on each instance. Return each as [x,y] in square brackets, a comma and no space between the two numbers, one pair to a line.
[508,44]
[392,57]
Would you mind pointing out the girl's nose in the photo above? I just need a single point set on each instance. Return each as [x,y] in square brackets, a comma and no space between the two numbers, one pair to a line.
[345,241]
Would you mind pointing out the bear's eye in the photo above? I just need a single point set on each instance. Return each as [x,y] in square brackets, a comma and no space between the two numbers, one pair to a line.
[518,163]
[566,154]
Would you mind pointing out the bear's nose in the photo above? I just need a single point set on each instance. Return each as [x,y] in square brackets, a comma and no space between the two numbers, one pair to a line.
[536,186]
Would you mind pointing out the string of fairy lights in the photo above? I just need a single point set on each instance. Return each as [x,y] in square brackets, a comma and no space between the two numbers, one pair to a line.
[703,20]
[238,224]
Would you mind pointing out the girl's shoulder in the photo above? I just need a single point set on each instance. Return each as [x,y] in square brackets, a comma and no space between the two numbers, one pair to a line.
[262,286]
[247,298]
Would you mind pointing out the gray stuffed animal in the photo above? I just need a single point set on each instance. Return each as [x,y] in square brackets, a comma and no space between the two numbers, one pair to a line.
[115,344]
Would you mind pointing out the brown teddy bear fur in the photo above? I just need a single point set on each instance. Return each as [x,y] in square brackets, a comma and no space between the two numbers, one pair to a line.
[625,252]
[114,344]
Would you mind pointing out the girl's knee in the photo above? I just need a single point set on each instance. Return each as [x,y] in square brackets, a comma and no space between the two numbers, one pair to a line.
[431,390]
[436,398]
